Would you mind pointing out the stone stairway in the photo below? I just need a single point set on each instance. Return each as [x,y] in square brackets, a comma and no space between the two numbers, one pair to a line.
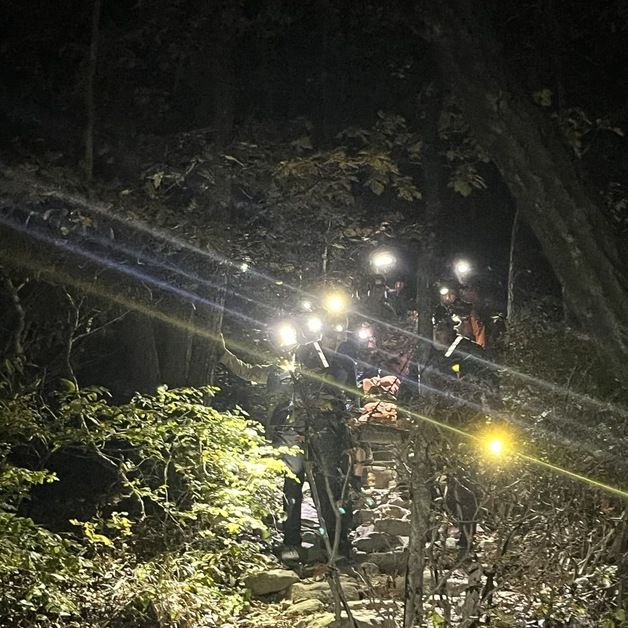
[374,586]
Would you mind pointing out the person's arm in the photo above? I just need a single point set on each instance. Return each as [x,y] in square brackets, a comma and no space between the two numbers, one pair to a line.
[256,373]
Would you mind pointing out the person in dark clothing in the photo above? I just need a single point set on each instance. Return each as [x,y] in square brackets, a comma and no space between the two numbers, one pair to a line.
[310,414]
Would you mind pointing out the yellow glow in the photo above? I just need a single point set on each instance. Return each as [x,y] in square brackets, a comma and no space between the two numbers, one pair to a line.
[288,365]
[497,444]
[455,368]
[336,302]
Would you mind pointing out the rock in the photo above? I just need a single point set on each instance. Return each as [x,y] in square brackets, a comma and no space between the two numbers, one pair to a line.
[380,434]
[387,562]
[394,527]
[270,581]
[321,591]
[305,607]
[376,542]
[364,516]
[363,619]
[314,553]
[380,477]
[370,569]
[391,511]
[399,501]
[364,529]
[451,542]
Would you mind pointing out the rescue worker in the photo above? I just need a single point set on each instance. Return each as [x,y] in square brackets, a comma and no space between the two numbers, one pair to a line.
[310,414]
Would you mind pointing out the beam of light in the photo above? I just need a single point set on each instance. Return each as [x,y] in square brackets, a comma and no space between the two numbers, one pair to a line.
[573,475]
[154,313]
[145,259]
[492,443]
[498,367]
[143,227]
[137,275]
[105,211]
[194,297]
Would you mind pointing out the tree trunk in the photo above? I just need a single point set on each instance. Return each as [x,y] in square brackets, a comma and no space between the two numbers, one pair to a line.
[419,516]
[142,360]
[566,216]
[90,104]
[512,273]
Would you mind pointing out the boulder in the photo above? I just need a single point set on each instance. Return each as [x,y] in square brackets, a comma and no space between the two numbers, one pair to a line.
[321,591]
[380,477]
[363,618]
[364,516]
[391,511]
[305,608]
[376,542]
[394,527]
[270,581]
[387,562]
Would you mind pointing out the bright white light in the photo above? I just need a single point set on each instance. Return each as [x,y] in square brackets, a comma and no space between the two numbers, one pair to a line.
[336,303]
[314,324]
[339,328]
[463,267]
[364,333]
[306,305]
[287,335]
[444,291]
[244,267]
[382,260]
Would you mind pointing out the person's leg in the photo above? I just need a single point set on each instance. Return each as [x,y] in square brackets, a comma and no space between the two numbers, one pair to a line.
[293,499]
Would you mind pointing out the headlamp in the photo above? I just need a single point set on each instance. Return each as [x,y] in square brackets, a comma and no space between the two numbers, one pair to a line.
[382,260]
[462,267]
[313,324]
[443,291]
[285,335]
[336,303]
[306,305]
[365,333]
[497,442]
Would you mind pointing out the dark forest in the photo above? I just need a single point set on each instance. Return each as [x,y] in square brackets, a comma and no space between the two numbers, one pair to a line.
[313,314]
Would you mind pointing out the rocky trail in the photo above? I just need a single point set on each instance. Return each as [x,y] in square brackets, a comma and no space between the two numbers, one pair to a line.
[374,584]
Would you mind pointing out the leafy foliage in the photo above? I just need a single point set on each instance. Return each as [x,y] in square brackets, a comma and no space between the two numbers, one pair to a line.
[182,516]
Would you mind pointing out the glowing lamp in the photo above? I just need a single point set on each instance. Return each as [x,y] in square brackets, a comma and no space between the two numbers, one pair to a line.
[338,328]
[335,303]
[244,267]
[383,260]
[306,305]
[462,267]
[314,324]
[443,291]
[286,334]
[364,333]
[497,444]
